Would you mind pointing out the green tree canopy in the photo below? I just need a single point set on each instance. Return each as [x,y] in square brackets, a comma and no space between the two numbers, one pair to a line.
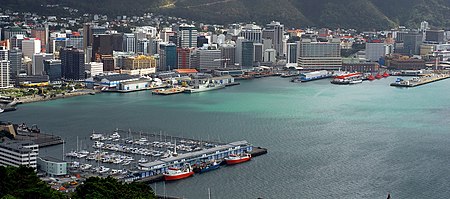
[111,188]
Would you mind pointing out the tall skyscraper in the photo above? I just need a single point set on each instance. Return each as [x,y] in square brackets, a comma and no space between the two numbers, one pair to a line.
[143,46]
[5,81]
[278,32]
[31,46]
[238,55]
[187,35]
[72,64]
[167,57]
[15,59]
[247,54]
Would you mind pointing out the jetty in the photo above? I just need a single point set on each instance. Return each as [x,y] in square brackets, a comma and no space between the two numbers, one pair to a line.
[422,80]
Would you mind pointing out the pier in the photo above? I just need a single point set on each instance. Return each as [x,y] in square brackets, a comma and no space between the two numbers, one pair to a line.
[418,81]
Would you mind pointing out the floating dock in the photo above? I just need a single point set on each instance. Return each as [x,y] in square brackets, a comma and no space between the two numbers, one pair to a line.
[418,81]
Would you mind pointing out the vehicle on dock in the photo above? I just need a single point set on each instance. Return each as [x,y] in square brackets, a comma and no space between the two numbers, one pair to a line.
[178,173]
[236,159]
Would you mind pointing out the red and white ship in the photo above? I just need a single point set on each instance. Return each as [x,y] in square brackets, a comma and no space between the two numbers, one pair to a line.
[236,159]
[348,76]
[178,174]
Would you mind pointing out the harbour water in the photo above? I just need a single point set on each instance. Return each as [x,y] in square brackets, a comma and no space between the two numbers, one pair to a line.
[324,140]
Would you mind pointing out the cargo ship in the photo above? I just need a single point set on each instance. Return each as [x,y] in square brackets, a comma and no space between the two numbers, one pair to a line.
[316,75]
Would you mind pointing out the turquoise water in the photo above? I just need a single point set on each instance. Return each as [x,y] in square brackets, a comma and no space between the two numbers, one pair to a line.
[324,140]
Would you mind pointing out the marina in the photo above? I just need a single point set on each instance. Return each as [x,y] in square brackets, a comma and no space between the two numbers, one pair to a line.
[137,156]
[422,80]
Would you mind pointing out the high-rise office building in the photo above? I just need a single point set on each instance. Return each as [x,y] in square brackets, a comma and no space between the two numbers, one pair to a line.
[52,68]
[270,56]
[320,55]
[11,32]
[292,53]
[143,46]
[75,40]
[72,64]
[436,36]
[187,35]
[278,32]
[108,63]
[375,51]
[167,56]
[5,81]
[238,52]
[16,66]
[209,59]
[31,46]
[184,57]
[258,52]
[40,33]
[129,43]
[247,54]
[252,33]
[102,44]
[228,55]
[412,42]
[38,62]
[16,41]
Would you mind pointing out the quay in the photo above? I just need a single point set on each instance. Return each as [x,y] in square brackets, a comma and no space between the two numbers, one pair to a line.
[22,132]
[418,81]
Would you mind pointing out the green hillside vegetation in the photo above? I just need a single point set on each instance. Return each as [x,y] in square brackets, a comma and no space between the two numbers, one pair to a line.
[360,14]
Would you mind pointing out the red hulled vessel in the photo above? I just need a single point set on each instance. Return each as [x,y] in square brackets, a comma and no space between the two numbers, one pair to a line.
[236,159]
[178,174]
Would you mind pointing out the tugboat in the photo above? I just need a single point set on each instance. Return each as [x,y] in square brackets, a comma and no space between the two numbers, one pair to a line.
[236,159]
[378,76]
[205,167]
[385,74]
[178,173]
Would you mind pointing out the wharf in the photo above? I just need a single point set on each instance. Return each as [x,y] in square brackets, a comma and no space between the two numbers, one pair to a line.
[41,139]
[418,81]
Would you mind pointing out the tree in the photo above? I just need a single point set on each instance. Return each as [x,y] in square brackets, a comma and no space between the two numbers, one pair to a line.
[95,187]
[22,182]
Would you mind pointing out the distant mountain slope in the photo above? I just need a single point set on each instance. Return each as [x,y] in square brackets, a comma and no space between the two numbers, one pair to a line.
[361,14]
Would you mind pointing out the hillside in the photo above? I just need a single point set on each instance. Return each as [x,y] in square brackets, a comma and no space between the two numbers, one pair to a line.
[361,14]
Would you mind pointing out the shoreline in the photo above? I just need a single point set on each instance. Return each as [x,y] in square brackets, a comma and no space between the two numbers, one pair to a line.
[38,98]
